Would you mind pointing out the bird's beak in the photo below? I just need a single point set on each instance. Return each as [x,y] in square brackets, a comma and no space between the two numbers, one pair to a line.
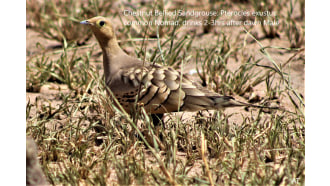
[86,22]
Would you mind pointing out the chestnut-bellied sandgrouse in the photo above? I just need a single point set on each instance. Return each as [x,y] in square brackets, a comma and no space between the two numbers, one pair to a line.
[160,89]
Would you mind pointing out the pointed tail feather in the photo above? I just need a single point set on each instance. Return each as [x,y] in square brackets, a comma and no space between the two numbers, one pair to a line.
[227,101]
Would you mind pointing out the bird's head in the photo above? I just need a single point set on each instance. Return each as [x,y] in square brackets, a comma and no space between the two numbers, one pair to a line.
[102,29]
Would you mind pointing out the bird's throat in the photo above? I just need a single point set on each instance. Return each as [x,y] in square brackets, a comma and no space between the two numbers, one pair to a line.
[111,51]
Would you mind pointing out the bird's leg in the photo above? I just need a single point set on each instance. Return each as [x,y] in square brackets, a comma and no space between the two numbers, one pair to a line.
[157,120]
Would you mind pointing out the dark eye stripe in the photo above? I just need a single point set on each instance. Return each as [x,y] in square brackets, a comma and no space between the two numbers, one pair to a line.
[102,23]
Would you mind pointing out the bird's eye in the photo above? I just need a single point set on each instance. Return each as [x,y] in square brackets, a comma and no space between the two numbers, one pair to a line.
[102,23]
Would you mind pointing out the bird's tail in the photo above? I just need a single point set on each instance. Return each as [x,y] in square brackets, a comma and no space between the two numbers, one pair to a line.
[195,103]
[227,101]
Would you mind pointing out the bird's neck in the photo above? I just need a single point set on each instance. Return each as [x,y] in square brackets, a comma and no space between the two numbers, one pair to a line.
[111,50]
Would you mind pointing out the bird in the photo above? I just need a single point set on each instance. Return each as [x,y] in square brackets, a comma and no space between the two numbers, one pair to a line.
[159,89]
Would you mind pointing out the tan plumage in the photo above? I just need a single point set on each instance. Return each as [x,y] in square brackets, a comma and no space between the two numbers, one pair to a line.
[160,89]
